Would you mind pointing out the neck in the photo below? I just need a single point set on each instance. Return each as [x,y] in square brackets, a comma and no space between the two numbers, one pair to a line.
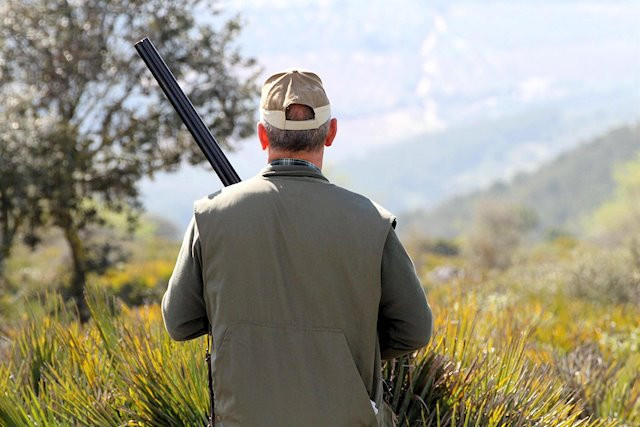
[314,157]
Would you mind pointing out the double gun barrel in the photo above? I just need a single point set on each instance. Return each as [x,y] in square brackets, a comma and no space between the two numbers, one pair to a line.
[183,106]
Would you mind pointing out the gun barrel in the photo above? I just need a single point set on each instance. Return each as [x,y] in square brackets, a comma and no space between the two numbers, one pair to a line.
[190,117]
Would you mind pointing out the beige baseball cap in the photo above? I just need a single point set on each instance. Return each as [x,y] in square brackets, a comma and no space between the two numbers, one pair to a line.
[294,86]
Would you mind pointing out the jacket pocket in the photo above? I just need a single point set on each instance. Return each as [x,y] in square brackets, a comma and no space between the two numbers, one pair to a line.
[268,375]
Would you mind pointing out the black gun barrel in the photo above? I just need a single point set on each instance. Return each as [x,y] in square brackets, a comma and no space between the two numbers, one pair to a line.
[190,117]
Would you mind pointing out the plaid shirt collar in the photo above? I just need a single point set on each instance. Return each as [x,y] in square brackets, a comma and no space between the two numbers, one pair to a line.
[295,162]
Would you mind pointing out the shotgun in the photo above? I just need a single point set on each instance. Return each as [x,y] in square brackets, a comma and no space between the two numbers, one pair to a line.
[183,106]
[205,140]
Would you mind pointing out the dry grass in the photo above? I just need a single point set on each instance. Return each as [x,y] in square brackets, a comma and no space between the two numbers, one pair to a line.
[497,359]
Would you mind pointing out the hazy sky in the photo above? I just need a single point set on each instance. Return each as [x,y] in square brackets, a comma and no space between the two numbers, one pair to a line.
[394,69]
[411,66]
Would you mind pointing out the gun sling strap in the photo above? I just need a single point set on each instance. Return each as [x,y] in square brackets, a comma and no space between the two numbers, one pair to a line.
[207,358]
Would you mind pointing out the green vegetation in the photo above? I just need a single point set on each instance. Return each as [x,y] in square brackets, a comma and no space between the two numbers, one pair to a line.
[120,369]
[137,272]
[613,220]
[83,121]
[526,333]
[551,337]
[530,330]
[523,346]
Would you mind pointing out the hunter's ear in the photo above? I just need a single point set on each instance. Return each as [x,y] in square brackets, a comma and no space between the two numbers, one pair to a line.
[262,136]
[331,133]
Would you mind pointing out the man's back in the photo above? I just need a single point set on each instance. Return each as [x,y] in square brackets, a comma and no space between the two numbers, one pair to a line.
[305,285]
[291,272]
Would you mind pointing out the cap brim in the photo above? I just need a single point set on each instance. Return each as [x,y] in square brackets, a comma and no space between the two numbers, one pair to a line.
[278,119]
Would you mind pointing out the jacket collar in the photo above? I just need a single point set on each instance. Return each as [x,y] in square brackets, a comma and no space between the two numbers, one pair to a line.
[291,170]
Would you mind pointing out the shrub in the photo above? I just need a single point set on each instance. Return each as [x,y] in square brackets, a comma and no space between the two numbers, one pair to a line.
[609,277]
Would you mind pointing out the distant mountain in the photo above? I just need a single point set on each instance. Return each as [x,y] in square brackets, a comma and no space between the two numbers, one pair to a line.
[560,192]
[422,171]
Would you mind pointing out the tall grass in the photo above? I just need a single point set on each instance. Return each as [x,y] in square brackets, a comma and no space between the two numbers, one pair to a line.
[488,364]
[120,369]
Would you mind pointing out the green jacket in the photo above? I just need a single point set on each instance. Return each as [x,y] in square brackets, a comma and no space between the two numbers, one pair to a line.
[307,288]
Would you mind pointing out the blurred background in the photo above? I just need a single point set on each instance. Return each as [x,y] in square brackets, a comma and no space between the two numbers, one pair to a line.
[450,97]
[505,135]
[486,127]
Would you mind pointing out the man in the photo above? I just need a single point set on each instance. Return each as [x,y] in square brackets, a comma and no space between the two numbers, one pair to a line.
[305,284]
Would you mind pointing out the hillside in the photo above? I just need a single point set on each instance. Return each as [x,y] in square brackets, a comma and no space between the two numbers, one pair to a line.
[560,191]
[425,170]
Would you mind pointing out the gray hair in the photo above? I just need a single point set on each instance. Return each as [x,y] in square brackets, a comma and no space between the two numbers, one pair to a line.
[297,140]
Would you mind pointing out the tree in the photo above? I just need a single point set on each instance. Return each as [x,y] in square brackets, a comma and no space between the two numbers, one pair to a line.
[107,124]
[19,175]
